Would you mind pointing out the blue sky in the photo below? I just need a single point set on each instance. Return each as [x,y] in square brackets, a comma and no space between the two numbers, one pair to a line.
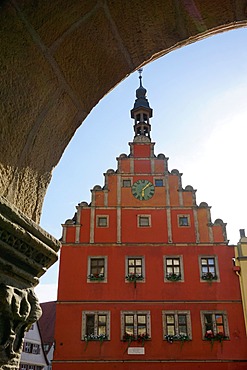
[198,95]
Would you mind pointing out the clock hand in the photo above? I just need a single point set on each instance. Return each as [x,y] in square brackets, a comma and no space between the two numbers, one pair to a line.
[144,188]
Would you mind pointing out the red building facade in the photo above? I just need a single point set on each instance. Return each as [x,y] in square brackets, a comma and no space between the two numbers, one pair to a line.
[146,279]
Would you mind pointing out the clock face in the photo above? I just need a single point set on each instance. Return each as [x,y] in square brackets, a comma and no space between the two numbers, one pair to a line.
[143,189]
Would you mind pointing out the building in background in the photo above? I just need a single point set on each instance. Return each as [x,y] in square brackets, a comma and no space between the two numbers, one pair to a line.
[33,356]
[241,270]
[146,279]
[47,327]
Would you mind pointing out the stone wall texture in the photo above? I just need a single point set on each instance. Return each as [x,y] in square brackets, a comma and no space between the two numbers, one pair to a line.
[59,58]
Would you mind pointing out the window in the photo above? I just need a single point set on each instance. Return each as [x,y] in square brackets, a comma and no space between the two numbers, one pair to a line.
[135,324]
[134,269]
[127,183]
[173,268]
[97,267]
[208,267]
[36,349]
[144,220]
[102,221]
[214,325]
[23,367]
[158,182]
[31,348]
[46,347]
[183,220]
[27,347]
[176,325]
[96,325]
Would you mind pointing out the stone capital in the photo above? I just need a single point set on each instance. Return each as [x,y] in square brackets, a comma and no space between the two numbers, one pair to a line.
[26,252]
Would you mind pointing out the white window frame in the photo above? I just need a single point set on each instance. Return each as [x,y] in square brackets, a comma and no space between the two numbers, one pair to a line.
[36,349]
[98,217]
[135,314]
[213,313]
[96,313]
[139,217]
[176,313]
[27,347]
[24,367]
[89,269]
[180,257]
[200,257]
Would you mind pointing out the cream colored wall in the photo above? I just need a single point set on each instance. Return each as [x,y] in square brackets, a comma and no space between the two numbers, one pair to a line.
[241,261]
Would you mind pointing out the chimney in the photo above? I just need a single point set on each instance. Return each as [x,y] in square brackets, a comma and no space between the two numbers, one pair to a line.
[242,233]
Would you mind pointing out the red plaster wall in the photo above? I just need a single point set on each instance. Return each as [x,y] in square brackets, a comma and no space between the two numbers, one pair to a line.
[154,293]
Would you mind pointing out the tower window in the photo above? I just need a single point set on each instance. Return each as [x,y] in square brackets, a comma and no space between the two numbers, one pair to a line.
[144,220]
[158,182]
[183,220]
[102,221]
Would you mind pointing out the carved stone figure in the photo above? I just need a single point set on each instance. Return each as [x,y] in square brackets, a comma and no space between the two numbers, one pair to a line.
[19,309]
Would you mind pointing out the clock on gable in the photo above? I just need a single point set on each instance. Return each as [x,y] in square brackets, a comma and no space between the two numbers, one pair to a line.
[143,189]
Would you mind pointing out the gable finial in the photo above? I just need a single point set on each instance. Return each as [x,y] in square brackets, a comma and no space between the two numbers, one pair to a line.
[140,75]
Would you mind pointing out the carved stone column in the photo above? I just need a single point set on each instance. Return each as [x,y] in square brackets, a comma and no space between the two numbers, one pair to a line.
[26,252]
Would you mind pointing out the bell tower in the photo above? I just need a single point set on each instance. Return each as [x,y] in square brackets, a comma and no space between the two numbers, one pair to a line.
[141,113]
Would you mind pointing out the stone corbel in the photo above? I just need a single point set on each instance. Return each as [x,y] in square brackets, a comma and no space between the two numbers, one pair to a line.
[26,252]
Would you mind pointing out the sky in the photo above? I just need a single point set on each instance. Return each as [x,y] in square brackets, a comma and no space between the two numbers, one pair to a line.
[198,94]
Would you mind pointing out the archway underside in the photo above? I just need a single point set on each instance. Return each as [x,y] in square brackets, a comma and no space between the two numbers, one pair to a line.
[59,58]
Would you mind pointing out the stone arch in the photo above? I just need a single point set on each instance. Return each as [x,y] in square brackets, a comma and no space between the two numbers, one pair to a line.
[58,59]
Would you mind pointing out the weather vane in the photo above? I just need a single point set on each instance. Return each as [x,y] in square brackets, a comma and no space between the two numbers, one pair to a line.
[140,75]
[140,71]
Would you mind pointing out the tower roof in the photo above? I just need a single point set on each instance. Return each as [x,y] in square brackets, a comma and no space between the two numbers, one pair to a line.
[141,100]
[141,113]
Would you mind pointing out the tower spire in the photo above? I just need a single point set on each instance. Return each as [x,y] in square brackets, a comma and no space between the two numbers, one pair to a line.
[141,113]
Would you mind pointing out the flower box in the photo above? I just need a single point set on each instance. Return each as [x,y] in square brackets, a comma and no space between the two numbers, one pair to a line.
[209,276]
[173,277]
[177,337]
